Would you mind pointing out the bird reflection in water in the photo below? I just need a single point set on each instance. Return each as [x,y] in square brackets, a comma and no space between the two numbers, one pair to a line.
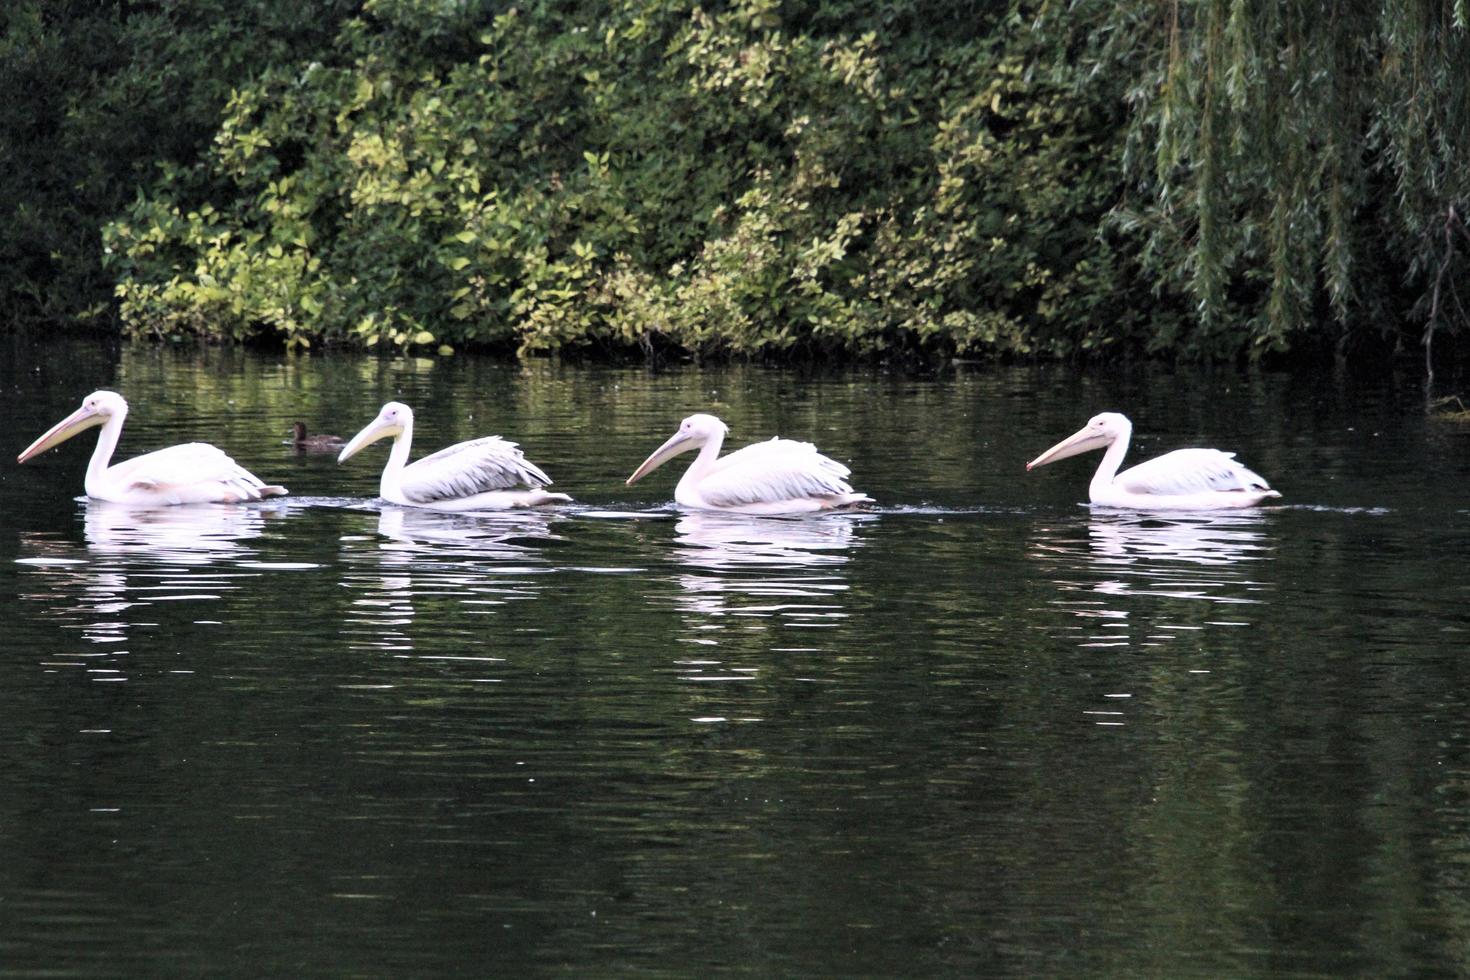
[790,570]
[480,560]
[1207,540]
[508,534]
[134,558]
[711,539]
[751,583]
[1114,578]
[198,534]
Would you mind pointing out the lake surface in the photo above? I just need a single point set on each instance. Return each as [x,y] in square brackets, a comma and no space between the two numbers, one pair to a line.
[979,729]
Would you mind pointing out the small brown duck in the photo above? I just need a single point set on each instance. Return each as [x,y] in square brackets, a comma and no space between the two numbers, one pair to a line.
[304,443]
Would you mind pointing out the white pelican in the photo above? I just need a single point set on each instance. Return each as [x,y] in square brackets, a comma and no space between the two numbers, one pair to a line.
[1186,479]
[476,475]
[774,477]
[194,473]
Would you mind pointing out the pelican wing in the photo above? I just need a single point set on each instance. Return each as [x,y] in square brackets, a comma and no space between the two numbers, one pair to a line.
[774,471]
[1186,471]
[193,466]
[468,468]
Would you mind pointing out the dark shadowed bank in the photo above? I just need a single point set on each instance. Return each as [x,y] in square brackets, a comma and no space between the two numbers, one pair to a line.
[1192,180]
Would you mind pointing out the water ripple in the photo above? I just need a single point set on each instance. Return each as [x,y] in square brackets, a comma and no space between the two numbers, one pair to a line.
[133,559]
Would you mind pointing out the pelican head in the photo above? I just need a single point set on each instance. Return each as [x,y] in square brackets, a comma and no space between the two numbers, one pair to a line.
[97,408]
[1100,432]
[394,418]
[693,432]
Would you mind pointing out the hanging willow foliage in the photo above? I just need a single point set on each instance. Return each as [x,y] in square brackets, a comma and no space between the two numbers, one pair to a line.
[1300,166]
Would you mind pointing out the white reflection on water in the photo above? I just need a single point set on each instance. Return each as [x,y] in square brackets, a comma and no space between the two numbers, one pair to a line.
[478,561]
[1207,539]
[748,575]
[135,558]
[720,541]
[1205,556]
[509,534]
[196,534]
[1126,579]
[1137,584]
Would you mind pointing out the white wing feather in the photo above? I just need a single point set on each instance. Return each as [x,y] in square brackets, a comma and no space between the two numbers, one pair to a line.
[468,468]
[185,467]
[1186,471]
[773,471]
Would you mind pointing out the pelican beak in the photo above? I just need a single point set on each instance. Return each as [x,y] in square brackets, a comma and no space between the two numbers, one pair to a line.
[1082,441]
[678,443]
[376,429]
[80,420]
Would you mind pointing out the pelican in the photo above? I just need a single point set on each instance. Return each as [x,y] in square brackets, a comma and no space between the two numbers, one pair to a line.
[476,475]
[774,477]
[1185,479]
[194,473]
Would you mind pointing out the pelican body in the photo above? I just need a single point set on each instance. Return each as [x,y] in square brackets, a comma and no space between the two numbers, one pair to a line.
[481,474]
[1185,479]
[778,476]
[193,473]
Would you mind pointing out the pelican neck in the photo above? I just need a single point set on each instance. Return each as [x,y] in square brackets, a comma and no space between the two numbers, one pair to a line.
[107,441]
[701,467]
[397,457]
[1107,470]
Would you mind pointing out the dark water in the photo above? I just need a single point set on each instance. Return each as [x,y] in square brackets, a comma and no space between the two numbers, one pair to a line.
[979,730]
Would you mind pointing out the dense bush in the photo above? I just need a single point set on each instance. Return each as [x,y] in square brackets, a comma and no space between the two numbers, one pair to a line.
[98,95]
[1024,177]
[757,178]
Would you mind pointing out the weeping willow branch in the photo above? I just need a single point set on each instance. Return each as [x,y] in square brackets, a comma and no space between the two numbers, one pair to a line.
[1454,230]
[1321,143]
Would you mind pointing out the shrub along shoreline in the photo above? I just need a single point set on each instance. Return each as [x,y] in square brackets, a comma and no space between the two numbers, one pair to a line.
[755,179]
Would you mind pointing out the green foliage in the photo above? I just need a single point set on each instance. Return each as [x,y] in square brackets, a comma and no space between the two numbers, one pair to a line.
[1303,166]
[98,95]
[1205,178]
[752,179]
